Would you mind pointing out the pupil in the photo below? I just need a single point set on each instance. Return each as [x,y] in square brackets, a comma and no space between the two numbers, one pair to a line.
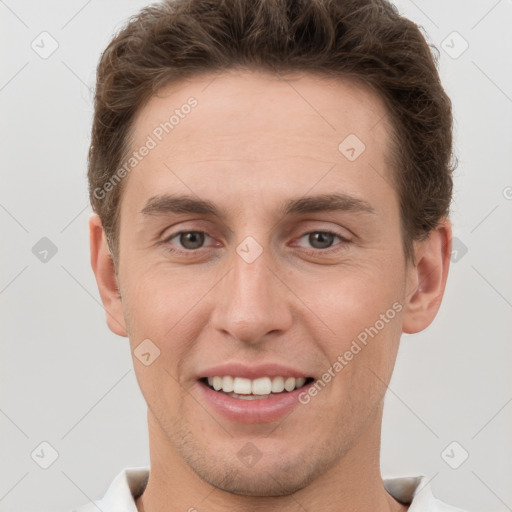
[325,239]
[192,239]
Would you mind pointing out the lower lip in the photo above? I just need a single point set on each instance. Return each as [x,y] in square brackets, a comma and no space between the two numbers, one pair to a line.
[252,411]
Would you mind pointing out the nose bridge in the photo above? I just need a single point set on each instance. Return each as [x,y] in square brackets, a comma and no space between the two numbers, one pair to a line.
[252,301]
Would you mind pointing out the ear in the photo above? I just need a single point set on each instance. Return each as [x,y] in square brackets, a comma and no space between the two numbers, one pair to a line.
[106,279]
[427,278]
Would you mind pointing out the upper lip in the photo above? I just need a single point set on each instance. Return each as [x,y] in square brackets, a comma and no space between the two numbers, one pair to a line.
[252,371]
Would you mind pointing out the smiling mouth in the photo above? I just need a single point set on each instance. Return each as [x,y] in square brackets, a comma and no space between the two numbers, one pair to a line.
[255,389]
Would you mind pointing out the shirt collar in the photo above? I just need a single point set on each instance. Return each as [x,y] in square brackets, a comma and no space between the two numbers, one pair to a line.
[131,482]
[411,490]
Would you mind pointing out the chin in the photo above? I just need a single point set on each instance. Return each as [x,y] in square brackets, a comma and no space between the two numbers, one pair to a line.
[257,481]
[276,474]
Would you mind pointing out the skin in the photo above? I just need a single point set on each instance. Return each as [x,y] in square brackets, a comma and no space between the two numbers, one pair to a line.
[289,306]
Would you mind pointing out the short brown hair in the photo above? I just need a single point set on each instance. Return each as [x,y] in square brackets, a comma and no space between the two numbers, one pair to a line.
[363,39]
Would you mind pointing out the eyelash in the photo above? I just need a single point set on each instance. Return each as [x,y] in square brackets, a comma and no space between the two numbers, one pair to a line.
[191,252]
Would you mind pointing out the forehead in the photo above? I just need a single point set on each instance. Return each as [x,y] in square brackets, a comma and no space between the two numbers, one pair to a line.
[244,102]
[255,130]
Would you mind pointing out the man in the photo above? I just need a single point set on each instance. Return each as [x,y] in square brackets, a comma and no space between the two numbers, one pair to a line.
[271,184]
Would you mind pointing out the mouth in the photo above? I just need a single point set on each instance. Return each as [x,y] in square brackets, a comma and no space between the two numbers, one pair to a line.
[255,389]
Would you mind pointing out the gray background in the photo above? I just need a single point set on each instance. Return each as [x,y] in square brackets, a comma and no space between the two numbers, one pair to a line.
[68,381]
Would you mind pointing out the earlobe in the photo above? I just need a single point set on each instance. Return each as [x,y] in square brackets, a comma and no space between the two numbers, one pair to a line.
[106,279]
[427,278]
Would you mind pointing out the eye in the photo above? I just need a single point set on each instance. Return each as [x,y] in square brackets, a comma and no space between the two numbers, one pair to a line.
[323,240]
[189,240]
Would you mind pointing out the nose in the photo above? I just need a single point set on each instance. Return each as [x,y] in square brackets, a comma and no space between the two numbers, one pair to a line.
[252,301]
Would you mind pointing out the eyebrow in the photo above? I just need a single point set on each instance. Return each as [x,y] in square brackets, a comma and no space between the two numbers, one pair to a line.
[168,204]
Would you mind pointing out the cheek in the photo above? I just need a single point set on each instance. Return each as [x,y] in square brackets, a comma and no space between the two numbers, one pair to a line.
[165,307]
[360,347]
[350,294]
[356,305]
[161,296]
[160,310]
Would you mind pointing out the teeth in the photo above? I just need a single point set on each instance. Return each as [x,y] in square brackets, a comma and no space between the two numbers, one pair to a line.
[241,386]
[260,386]
[227,384]
[300,382]
[247,397]
[289,384]
[277,384]
[217,383]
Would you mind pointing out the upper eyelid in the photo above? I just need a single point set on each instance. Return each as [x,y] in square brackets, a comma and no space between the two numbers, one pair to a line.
[181,231]
[344,239]
[208,230]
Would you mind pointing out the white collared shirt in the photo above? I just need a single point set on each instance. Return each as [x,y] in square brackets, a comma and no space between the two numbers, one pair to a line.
[131,482]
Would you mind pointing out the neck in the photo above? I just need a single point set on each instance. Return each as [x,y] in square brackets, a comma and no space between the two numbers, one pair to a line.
[353,484]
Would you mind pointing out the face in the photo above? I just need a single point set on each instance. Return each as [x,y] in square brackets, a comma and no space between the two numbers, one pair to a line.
[260,239]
